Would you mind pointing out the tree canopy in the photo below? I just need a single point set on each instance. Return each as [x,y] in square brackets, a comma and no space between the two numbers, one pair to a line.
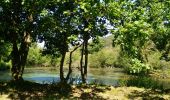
[66,25]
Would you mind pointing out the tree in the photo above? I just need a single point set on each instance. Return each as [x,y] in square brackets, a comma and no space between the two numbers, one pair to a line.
[161,13]
[58,31]
[69,19]
[92,25]
[132,30]
[17,21]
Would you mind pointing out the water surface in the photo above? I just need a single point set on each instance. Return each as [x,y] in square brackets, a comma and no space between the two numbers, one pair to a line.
[107,76]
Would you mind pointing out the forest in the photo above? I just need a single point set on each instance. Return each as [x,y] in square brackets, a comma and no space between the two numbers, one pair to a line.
[85,49]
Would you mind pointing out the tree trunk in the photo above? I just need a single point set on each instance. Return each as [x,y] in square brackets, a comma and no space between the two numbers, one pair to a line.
[69,67]
[19,55]
[15,21]
[19,58]
[62,79]
[70,63]
[24,48]
[15,62]
[82,65]
[86,59]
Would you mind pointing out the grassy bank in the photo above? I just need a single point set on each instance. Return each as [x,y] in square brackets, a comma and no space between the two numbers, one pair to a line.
[29,90]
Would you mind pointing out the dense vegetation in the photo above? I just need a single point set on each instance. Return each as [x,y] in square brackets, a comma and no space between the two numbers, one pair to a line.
[75,35]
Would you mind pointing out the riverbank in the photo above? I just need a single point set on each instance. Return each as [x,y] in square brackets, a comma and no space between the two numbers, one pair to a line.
[31,90]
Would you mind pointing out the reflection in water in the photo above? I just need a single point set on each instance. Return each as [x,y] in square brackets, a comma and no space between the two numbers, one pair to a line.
[5,76]
[107,76]
[99,75]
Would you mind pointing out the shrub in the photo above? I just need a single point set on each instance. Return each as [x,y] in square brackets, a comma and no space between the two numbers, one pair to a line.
[36,58]
[133,65]
[155,62]
[140,81]
[137,67]
[105,58]
[5,65]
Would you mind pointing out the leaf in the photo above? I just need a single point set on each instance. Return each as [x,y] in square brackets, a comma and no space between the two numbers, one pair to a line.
[86,29]
[44,12]
[66,12]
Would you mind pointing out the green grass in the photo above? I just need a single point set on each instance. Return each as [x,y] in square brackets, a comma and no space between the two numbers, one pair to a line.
[30,90]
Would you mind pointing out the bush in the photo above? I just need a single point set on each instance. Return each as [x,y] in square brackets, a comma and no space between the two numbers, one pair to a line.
[137,67]
[4,65]
[96,46]
[133,65]
[35,58]
[155,62]
[104,58]
[140,81]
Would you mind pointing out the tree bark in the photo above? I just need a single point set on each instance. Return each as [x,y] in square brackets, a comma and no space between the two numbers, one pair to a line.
[81,63]
[15,62]
[19,55]
[24,48]
[69,67]
[15,21]
[62,79]
[86,59]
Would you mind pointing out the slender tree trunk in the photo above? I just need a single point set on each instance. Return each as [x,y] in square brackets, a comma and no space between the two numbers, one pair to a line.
[86,59]
[69,67]
[62,79]
[82,64]
[70,63]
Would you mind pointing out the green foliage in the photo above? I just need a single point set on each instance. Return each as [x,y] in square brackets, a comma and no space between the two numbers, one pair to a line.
[104,58]
[137,67]
[4,65]
[122,60]
[154,60]
[145,82]
[5,49]
[61,23]
[132,65]
[35,58]
[96,46]
[132,37]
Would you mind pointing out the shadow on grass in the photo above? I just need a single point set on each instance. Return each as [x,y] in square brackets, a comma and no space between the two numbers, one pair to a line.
[146,95]
[143,82]
[30,90]
[154,89]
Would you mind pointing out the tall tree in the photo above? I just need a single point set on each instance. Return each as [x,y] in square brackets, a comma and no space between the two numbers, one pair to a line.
[92,24]
[132,29]
[17,26]
[58,30]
